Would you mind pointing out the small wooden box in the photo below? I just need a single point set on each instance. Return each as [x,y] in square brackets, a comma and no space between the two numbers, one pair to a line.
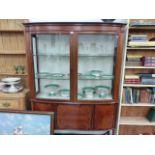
[14,101]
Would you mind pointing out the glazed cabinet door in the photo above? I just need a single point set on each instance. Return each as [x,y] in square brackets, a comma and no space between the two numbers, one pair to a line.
[51,59]
[96,65]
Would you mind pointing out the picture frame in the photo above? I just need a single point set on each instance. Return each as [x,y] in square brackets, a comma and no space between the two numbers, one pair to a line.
[26,122]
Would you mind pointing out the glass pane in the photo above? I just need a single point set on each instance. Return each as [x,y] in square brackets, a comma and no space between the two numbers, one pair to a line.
[96,61]
[51,56]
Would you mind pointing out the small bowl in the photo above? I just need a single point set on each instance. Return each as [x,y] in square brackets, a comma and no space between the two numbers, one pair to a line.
[51,89]
[88,92]
[102,91]
[64,92]
[96,73]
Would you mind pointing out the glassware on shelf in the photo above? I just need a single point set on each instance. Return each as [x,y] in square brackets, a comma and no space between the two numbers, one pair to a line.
[17,68]
[80,95]
[96,73]
[51,89]
[86,77]
[88,92]
[57,75]
[102,91]
[64,93]
[22,69]
[43,74]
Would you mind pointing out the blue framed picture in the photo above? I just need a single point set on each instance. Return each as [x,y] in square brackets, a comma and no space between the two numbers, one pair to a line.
[26,123]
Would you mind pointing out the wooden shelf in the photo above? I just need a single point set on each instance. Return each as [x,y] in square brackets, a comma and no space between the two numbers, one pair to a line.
[138,121]
[12,30]
[11,53]
[140,48]
[140,67]
[137,105]
[134,114]
[12,48]
[141,27]
[138,85]
[12,74]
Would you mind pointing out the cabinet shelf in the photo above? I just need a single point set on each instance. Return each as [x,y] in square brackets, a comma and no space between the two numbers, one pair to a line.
[140,67]
[66,78]
[138,105]
[58,97]
[109,97]
[136,121]
[138,85]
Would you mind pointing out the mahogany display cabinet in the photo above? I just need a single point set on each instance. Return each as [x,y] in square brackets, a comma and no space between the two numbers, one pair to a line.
[74,71]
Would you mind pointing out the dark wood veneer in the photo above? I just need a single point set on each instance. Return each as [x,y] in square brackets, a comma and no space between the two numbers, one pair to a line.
[74,117]
[74,114]
[104,117]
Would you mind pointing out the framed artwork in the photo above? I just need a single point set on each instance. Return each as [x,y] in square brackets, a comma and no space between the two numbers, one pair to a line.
[26,123]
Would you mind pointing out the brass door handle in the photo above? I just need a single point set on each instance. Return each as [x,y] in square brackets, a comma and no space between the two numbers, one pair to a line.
[6,104]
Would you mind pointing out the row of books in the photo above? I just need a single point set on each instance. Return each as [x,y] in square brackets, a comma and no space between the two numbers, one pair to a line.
[140,60]
[147,78]
[140,40]
[138,95]
[148,61]
[132,79]
[142,23]
[141,78]
[134,60]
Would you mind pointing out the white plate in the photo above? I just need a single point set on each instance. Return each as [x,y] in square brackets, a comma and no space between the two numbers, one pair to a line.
[6,90]
[11,79]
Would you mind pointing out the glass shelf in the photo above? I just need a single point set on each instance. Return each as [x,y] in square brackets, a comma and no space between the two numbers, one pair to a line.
[106,77]
[109,97]
[65,55]
[46,96]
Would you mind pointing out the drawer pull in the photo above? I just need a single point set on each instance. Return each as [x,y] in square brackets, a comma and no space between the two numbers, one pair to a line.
[6,104]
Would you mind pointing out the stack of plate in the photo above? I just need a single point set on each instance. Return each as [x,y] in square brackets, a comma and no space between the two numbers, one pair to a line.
[11,84]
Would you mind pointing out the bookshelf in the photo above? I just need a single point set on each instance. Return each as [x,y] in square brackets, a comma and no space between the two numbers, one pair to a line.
[135,85]
[138,105]
[136,121]
[12,48]
[139,67]
[138,85]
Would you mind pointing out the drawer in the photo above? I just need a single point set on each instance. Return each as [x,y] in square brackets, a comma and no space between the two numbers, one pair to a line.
[11,104]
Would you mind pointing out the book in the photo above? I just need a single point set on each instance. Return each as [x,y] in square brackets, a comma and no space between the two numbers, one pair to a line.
[148,43]
[144,96]
[146,74]
[132,76]
[123,97]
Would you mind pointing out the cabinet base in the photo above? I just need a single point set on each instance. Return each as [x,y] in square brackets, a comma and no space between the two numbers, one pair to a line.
[82,132]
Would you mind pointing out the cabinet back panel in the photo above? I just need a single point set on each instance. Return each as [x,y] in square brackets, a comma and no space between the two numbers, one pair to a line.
[136,130]
[134,111]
